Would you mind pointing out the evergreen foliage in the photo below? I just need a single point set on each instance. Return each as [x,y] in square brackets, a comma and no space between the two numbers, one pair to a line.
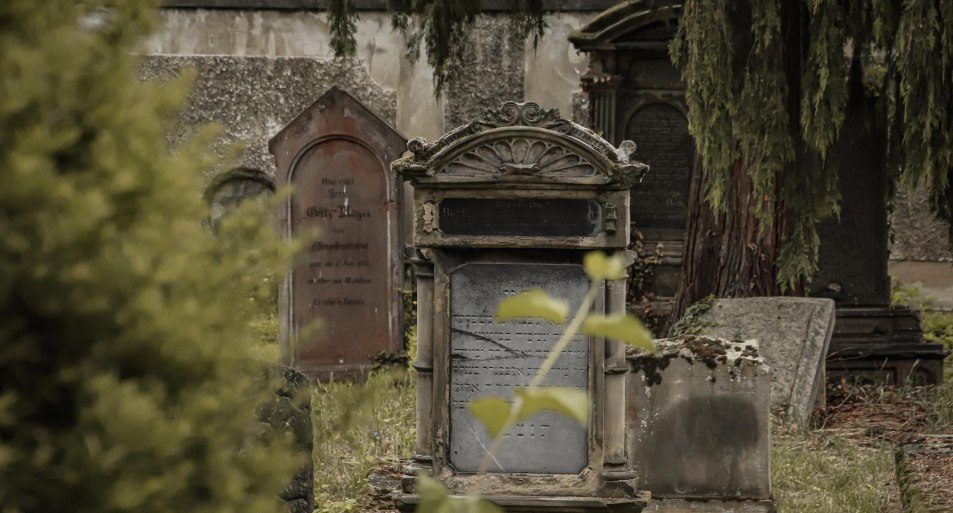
[745,119]
[125,383]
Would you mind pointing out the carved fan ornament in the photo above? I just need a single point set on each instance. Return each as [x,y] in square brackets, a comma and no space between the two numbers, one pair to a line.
[522,154]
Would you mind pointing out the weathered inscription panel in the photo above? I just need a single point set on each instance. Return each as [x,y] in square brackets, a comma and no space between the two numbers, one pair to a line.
[520,216]
[335,156]
[488,358]
[660,132]
[345,282]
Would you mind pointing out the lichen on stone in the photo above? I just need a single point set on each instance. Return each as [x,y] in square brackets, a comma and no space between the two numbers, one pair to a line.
[710,351]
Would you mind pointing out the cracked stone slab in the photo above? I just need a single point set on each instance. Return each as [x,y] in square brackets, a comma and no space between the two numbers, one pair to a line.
[794,334]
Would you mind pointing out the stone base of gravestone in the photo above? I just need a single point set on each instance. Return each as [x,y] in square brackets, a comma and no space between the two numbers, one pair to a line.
[698,420]
[710,506]
[794,335]
[290,412]
[515,504]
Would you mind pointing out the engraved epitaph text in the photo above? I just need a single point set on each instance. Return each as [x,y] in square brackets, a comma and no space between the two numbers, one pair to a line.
[488,358]
[340,190]
[660,132]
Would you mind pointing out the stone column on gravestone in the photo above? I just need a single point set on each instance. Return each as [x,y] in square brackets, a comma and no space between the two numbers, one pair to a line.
[602,110]
[615,371]
[424,362]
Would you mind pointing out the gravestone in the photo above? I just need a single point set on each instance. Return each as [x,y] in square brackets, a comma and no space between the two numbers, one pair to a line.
[636,93]
[699,425]
[659,203]
[794,334]
[873,341]
[231,188]
[509,202]
[340,304]
[497,357]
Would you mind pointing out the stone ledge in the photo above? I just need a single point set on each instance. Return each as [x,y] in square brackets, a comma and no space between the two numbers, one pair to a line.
[512,504]
[710,506]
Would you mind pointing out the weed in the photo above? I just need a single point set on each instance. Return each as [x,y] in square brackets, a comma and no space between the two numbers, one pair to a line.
[937,324]
[359,427]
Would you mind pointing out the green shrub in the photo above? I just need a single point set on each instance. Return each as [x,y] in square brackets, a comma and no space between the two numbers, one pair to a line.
[937,325]
[124,346]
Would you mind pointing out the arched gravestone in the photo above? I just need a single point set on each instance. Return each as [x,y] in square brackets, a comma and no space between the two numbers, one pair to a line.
[335,156]
[659,204]
[231,188]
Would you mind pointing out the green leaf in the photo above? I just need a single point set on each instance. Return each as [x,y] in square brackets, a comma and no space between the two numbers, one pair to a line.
[492,412]
[472,504]
[601,267]
[532,303]
[432,494]
[619,326]
[435,498]
[571,402]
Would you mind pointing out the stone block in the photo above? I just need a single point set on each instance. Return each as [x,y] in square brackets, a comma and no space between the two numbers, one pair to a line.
[698,420]
[794,335]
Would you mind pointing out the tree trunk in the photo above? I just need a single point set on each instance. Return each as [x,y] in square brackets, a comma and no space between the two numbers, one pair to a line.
[723,254]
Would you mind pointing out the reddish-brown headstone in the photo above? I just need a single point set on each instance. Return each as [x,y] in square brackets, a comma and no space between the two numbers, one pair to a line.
[336,156]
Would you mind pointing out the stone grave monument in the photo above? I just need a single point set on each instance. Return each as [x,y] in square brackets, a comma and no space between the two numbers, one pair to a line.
[508,202]
[340,304]
[636,93]
[698,425]
[229,189]
[794,334]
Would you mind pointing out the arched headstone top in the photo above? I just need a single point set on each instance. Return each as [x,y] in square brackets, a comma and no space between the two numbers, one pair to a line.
[635,23]
[520,143]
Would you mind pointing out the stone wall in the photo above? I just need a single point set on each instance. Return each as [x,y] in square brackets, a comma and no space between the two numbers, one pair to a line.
[920,251]
[251,98]
[257,69]
[501,68]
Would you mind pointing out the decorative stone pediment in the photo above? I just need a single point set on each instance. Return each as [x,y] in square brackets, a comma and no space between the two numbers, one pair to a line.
[644,24]
[520,143]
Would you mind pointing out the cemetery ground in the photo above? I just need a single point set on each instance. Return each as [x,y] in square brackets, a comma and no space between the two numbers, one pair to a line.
[870,449]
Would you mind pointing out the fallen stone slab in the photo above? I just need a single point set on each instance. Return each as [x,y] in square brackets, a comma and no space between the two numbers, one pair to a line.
[794,335]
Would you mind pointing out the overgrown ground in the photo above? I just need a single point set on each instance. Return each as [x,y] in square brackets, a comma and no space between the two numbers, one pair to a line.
[847,462]
[844,464]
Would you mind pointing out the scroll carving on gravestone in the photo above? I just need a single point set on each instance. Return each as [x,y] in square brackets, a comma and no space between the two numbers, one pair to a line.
[340,305]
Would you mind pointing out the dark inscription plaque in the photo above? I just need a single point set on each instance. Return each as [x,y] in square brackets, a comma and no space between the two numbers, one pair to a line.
[521,216]
[488,358]
[340,190]
[660,132]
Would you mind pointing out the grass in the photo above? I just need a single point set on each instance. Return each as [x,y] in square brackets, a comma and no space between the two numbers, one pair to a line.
[815,472]
[359,427]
